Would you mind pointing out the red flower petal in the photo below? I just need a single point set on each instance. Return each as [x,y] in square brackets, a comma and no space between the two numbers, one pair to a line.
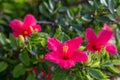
[111,49]
[54,44]
[16,25]
[37,27]
[80,56]
[53,57]
[90,35]
[29,21]
[66,64]
[73,44]
[104,36]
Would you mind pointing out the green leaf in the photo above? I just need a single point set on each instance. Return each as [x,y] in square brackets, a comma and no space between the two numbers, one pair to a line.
[2,39]
[30,77]
[103,2]
[46,5]
[102,19]
[89,77]
[111,17]
[108,63]
[65,37]
[18,70]
[111,5]
[86,17]
[3,66]
[116,62]
[20,41]
[59,76]
[13,41]
[96,64]
[24,57]
[113,69]
[79,75]
[118,10]
[69,15]
[51,4]
[77,26]
[97,74]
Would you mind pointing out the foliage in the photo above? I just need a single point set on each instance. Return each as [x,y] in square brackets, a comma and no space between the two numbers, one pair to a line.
[64,20]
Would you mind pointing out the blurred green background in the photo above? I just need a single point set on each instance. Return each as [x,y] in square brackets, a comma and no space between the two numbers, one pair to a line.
[74,15]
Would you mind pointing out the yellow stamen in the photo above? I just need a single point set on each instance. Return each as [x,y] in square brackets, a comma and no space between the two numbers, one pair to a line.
[65,48]
[31,28]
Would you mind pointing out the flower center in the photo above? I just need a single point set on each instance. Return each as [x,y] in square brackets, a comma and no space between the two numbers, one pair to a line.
[25,32]
[65,54]
[94,47]
[65,48]
[65,57]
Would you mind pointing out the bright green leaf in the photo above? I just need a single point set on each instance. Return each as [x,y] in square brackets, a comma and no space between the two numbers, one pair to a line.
[113,69]
[118,10]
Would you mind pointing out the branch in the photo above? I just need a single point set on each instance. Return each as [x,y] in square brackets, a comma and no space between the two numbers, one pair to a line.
[77,3]
[45,22]
[53,28]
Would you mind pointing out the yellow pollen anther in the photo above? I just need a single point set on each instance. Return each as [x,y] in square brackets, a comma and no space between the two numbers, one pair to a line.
[65,48]
[25,32]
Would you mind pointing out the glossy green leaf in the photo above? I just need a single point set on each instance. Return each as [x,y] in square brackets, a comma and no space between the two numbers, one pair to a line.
[18,70]
[113,69]
[69,14]
[111,5]
[51,4]
[2,39]
[30,77]
[103,2]
[24,57]
[97,74]
[3,66]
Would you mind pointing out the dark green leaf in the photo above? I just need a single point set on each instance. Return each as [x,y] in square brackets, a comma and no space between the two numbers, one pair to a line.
[111,5]
[24,57]
[18,70]
[3,66]
[31,77]
[97,74]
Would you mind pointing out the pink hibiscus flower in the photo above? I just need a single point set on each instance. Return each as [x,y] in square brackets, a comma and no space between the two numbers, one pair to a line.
[96,43]
[26,27]
[66,54]
[106,27]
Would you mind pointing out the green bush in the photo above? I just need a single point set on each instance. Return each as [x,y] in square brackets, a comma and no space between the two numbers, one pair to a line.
[23,58]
